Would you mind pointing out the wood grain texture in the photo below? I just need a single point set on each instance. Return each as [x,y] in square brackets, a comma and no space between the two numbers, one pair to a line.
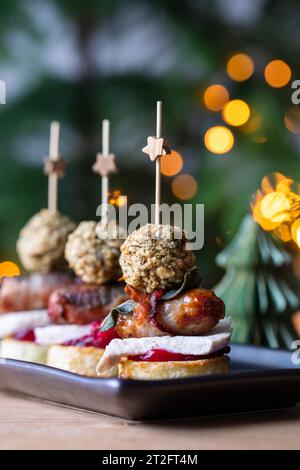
[27,424]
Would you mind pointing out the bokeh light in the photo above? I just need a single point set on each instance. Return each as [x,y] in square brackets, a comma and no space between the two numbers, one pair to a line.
[240,67]
[215,97]
[295,318]
[283,232]
[117,199]
[171,165]
[265,223]
[184,186]
[296,265]
[253,124]
[236,112]
[277,73]
[275,207]
[260,139]
[219,139]
[292,120]
[296,232]
[271,182]
[285,186]
[9,269]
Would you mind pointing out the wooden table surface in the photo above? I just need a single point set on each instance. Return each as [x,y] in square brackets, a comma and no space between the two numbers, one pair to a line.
[26,424]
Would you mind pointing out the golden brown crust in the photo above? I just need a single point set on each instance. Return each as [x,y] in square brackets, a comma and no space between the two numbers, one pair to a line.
[42,241]
[23,351]
[94,255]
[173,369]
[156,257]
[76,359]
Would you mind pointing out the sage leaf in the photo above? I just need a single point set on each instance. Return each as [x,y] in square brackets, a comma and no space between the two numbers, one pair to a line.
[111,319]
[191,280]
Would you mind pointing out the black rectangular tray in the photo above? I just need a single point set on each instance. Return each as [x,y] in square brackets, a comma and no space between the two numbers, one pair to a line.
[259,379]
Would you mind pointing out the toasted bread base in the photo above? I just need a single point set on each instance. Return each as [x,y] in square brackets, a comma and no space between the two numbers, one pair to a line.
[172,369]
[23,351]
[76,359]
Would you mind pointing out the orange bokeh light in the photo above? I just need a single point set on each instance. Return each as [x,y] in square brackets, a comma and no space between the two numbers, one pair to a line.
[236,112]
[240,67]
[9,269]
[292,120]
[283,232]
[171,165]
[295,318]
[277,73]
[117,199]
[184,186]
[215,97]
[270,182]
[219,139]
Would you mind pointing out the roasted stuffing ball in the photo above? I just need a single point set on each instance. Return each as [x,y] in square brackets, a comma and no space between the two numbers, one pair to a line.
[155,257]
[93,252]
[42,241]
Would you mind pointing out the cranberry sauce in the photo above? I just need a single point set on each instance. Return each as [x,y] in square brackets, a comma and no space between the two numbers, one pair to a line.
[160,355]
[96,338]
[27,335]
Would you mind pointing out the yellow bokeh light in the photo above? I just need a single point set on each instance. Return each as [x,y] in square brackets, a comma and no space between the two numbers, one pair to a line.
[277,73]
[116,199]
[270,182]
[219,139]
[121,201]
[171,165]
[266,224]
[292,120]
[215,97]
[296,231]
[253,124]
[260,139]
[184,186]
[9,269]
[275,207]
[240,67]
[236,112]
[285,185]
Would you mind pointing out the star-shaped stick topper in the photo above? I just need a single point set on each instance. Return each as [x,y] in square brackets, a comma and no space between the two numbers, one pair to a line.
[156,147]
[105,165]
[57,167]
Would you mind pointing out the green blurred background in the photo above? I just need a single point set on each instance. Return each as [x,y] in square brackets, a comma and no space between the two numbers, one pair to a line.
[85,60]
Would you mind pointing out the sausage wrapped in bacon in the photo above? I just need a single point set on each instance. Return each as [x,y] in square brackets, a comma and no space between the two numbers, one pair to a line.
[30,292]
[194,312]
[84,303]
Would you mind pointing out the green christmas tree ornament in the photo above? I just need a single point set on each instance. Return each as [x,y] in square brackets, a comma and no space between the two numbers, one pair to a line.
[258,288]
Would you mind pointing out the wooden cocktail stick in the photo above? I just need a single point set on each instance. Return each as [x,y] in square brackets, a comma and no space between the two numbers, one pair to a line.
[157,164]
[105,152]
[155,148]
[105,166]
[54,157]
